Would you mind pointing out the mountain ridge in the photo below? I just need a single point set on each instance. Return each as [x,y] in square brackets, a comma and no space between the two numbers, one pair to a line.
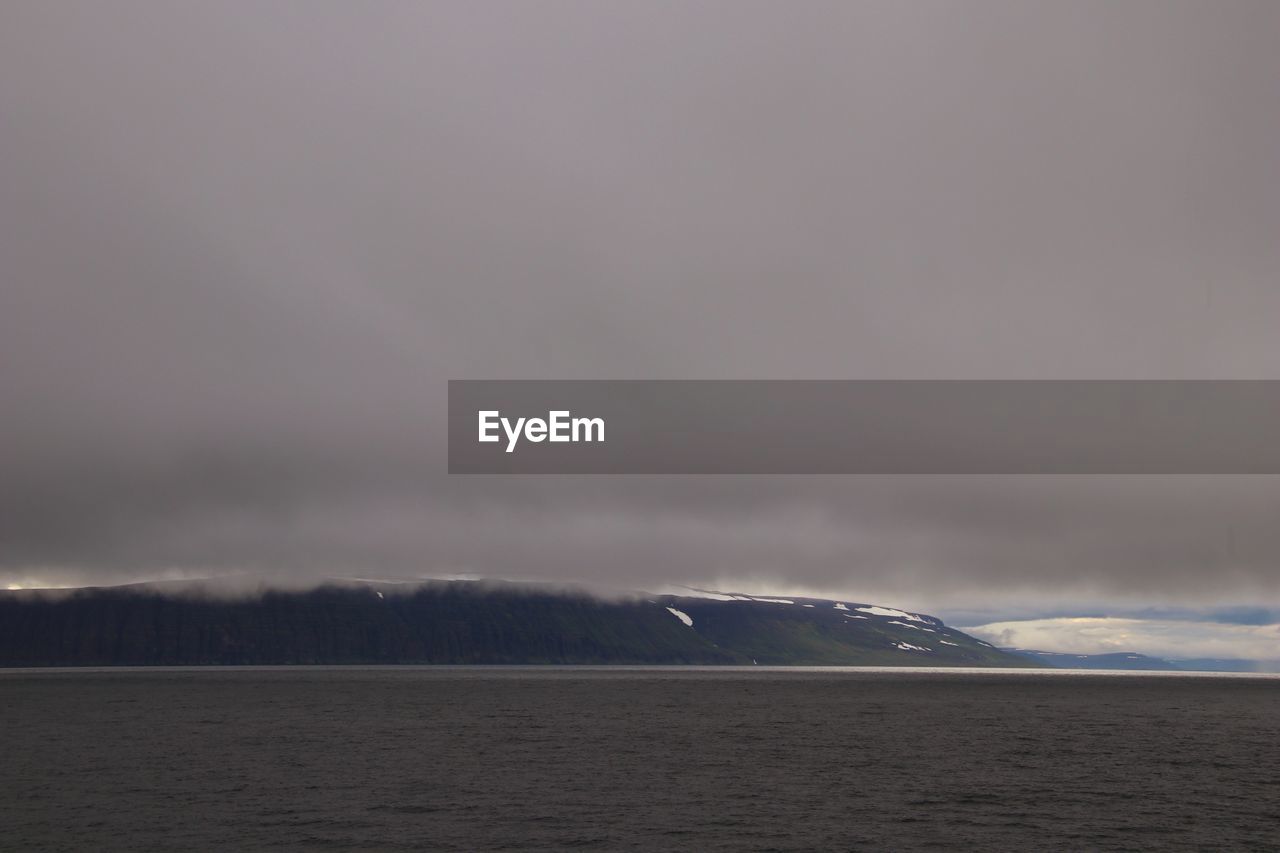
[355,621]
[1137,662]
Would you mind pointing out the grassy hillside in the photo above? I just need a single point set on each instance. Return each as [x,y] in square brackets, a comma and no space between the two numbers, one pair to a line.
[460,623]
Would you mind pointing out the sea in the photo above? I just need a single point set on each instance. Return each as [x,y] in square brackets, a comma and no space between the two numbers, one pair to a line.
[636,758]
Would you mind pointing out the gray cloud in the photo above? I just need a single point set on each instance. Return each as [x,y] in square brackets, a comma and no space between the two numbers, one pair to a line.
[243,248]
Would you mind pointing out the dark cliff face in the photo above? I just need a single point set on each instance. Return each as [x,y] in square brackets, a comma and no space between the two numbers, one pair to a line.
[462,623]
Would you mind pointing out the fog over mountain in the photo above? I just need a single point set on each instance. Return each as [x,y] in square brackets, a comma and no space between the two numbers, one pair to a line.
[243,248]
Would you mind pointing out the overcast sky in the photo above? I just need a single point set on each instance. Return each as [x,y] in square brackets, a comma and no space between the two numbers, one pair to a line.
[243,247]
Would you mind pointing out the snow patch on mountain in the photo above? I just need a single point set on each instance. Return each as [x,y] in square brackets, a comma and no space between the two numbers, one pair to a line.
[876,610]
[682,616]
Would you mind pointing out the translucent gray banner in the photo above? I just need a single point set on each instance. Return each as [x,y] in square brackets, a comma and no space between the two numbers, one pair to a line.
[863,427]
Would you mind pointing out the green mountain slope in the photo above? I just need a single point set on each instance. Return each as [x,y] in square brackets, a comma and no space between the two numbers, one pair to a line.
[463,623]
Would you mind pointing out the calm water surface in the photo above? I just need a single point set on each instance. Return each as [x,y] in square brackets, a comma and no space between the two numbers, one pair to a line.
[636,759]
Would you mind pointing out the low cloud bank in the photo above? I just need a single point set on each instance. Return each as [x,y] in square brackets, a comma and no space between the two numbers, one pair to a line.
[1167,638]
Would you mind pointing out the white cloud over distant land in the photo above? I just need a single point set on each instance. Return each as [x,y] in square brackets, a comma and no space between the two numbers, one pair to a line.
[1167,638]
